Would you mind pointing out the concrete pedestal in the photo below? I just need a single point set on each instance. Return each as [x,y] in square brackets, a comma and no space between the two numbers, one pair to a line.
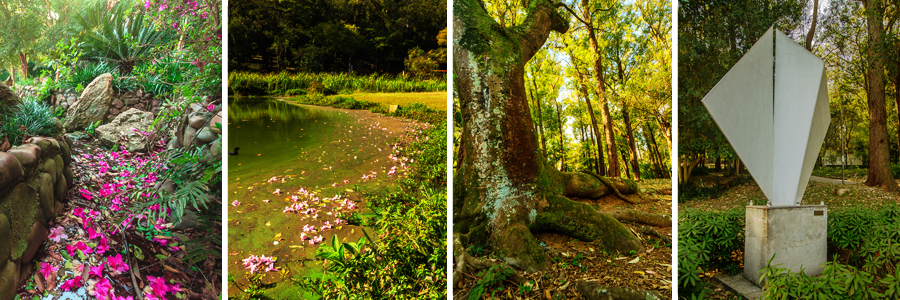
[796,235]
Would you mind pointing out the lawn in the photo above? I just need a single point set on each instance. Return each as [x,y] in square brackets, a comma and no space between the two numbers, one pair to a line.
[435,100]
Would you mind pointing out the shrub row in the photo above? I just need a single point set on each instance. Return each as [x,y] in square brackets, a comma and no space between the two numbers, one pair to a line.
[253,84]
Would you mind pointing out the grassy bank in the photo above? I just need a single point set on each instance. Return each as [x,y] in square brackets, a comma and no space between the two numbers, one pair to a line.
[254,84]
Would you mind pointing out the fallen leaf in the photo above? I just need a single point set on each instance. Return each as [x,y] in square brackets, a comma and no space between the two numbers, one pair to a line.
[635,260]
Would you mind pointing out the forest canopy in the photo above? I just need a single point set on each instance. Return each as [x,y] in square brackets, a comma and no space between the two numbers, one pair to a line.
[384,36]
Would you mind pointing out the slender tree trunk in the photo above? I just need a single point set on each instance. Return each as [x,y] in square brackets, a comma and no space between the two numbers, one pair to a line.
[23,61]
[654,151]
[562,144]
[537,106]
[897,99]
[613,167]
[879,157]
[506,190]
[601,165]
[812,28]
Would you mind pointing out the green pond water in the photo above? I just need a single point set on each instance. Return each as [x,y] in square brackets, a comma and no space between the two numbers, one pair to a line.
[285,148]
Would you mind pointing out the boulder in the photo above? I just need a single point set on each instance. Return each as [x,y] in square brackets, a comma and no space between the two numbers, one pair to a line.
[93,104]
[5,235]
[8,98]
[124,125]
[10,169]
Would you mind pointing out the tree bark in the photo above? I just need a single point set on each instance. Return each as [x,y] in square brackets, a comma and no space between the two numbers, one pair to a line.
[23,61]
[507,191]
[635,165]
[562,144]
[812,28]
[613,155]
[879,157]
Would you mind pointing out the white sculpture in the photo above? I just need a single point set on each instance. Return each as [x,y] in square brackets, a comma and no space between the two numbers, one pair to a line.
[773,108]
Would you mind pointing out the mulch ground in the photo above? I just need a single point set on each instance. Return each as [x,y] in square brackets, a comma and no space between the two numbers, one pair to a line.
[576,260]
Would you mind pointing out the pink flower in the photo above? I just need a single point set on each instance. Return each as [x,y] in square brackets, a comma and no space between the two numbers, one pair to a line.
[78,212]
[147,4]
[211,106]
[103,245]
[154,207]
[161,241]
[102,289]
[277,192]
[86,194]
[97,271]
[48,269]
[116,264]
[71,250]
[235,203]
[83,247]
[261,263]
[158,284]
[57,234]
[71,284]
[92,233]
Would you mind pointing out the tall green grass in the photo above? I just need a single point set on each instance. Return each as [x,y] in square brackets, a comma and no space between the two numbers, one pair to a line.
[37,118]
[250,84]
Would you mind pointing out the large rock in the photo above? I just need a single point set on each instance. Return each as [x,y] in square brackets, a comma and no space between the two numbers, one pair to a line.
[5,235]
[124,125]
[93,104]
[8,98]
[10,169]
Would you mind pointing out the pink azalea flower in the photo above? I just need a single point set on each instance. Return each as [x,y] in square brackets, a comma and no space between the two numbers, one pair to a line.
[261,263]
[147,4]
[158,284]
[84,248]
[86,194]
[47,270]
[103,246]
[211,106]
[92,233]
[97,271]
[154,207]
[161,241]
[103,289]
[57,234]
[346,181]
[71,250]
[123,298]
[116,264]
[71,284]
[277,192]
[78,212]
[235,203]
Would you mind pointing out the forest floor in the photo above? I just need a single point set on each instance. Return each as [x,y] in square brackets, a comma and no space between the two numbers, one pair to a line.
[737,197]
[435,100]
[577,260]
[88,253]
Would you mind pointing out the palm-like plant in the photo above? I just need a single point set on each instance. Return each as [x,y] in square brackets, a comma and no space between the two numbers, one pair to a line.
[117,34]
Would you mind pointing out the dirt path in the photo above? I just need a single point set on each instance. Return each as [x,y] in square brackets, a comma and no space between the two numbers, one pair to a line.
[831,180]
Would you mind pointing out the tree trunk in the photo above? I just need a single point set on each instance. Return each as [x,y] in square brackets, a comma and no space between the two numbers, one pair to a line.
[879,157]
[635,165]
[601,166]
[506,189]
[812,28]
[562,144]
[23,61]
[613,154]
[654,151]
[897,98]
[537,105]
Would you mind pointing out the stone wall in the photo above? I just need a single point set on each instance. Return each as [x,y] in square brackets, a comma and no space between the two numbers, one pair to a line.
[34,180]
[197,129]
[121,103]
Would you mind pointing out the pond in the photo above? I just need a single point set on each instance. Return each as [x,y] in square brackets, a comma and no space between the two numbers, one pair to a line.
[296,170]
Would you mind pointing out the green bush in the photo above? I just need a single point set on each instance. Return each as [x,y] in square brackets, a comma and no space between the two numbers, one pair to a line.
[252,84]
[38,119]
[707,240]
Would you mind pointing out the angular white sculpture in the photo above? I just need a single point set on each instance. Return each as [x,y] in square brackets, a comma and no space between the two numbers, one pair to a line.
[773,108]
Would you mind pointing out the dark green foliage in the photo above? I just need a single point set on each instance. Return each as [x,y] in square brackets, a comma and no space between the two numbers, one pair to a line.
[117,34]
[489,278]
[39,119]
[708,187]
[325,36]
[707,241]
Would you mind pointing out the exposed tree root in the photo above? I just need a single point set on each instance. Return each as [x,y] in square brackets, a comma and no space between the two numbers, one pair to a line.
[636,216]
[596,291]
[612,187]
[651,231]
[585,223]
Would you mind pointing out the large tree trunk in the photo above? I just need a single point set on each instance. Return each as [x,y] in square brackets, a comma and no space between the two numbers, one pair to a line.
[507,191]
[879,157]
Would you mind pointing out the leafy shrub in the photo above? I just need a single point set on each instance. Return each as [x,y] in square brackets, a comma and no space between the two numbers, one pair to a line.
[38,119]
[252,84]
[336,101]
[707,241]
